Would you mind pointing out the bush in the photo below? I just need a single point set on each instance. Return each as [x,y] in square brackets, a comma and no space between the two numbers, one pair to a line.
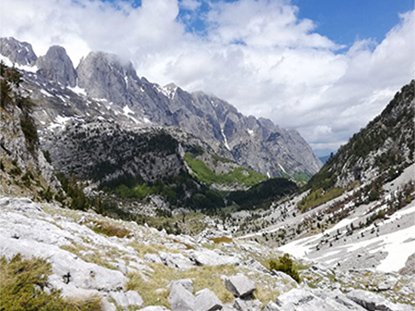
[286,265]
[30,131]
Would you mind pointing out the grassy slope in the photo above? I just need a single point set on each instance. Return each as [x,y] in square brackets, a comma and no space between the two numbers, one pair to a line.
[240,175]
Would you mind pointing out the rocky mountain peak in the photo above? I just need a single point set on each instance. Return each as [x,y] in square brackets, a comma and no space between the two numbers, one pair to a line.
[18,52]
[57,66]
[106,76]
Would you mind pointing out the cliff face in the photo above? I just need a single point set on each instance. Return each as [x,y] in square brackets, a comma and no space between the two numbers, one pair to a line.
[24,169]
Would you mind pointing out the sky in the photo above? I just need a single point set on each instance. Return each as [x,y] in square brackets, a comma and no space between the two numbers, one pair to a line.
[323,67]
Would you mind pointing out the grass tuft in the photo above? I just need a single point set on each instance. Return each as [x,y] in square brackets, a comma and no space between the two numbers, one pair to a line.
[21,288]
[110,229]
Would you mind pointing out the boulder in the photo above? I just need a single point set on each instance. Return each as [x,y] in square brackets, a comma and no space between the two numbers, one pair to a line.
[373,302]
[206,300]
[180,298]
[186,283]
[305,299]
[247,305]
[240,286]
[126,299]
[176,260]
[207,257]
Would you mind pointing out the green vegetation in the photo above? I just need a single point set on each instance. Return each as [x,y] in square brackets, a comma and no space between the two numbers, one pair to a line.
[285,264]
[318,197]
[140,191]
[262,193]
[301,178]
[239,175]
[73,189]
[21,288]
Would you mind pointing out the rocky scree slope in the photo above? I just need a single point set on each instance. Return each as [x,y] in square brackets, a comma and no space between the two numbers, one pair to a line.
[359,213]
[130,267]
[105,80]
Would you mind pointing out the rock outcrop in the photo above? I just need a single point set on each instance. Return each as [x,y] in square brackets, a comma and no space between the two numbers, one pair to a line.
[18,52]
[57,66]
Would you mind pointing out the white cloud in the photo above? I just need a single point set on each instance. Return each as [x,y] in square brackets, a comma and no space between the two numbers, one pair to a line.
[190,5]
[258,55]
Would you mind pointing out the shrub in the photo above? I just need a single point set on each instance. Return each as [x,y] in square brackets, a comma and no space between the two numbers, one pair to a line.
[30,131]
[285,264]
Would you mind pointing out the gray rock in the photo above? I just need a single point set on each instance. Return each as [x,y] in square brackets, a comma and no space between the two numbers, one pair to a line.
[207,257]
[107,306]
[373,302]
[180,298]
[126,299]
[247,305]
[305,299]
[271,306]
[57,66]
[206,300]
[176,260]
[18,52]
[186,283]
[240,286]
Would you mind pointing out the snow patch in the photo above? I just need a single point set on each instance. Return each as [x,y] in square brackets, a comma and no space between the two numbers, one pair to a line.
[145,120]
[9,63]
[250,132]
[282,168]
[78,90]
[127,110]
[225,140]
[46,93]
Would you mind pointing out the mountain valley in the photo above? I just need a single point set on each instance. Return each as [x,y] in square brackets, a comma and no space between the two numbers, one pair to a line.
[119,194]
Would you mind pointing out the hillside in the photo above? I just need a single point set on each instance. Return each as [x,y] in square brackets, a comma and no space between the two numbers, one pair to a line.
[376,154]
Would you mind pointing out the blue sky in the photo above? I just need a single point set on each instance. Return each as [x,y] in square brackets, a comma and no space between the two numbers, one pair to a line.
[345,21]
[322,67]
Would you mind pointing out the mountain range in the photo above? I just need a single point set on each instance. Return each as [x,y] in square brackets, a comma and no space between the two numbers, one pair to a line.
[106,86]
[119,194]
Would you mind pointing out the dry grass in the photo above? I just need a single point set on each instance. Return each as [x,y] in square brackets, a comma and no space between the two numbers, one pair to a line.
[21,283]
[109,229]
[154,290]
[222,239]
[94,257]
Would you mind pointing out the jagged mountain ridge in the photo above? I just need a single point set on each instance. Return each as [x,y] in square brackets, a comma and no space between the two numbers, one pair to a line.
[384,147]
[114,84]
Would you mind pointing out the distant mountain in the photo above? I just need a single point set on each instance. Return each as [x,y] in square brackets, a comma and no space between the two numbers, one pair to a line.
[324,159]
[105,86]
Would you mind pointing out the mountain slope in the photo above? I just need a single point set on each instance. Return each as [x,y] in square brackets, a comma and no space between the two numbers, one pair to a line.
[378,153]
[113,87]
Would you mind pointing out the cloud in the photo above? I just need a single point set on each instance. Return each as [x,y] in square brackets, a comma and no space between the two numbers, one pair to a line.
[258,55]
